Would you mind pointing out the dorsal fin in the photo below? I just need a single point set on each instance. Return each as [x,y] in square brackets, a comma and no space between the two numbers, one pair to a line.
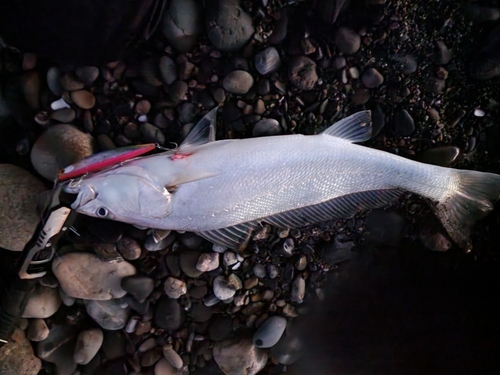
[203,132]
[354,128]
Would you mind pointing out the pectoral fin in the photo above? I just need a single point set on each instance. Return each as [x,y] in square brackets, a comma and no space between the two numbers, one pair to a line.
[203,132]
[354,128]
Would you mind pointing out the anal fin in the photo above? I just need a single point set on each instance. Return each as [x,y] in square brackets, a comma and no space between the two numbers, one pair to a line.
[235,237]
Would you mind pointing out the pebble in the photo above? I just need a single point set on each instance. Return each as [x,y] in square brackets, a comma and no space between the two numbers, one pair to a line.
[443,156]
[70,82]
[408,64]
[237,356]
[129,248]
[188,261]
[272,271]
[66,300]
[298,289]
[163,367]
[372,78]
[302,73]
[182,24]
[37,330]
[147,345]
[43,302]
[208,262]
[347,41]
[139,287]
[58,348]
[259,270]
[201,313]
[270,332]
[151,134]
[168,70]
[229,27]
[267,127]
[88,74]
[436,85]
[267,61]
[54,81]
[59,104]
[143,107]
[64,115]
[225,288]
[172,357]
[59,146]
[109,314]
[403,123]
[17,356]
[19,192]
[84,275]
[219,95]
[238,82]
[88,344]
[156,243]
[191,240]
[174,288]
[169,314]
[83,99]
[178,91]
[301,263]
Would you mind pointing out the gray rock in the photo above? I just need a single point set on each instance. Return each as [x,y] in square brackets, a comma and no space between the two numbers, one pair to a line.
[150,357]
[188,260]
[64,115]
[191,240]
[225,288]
[88,74]
[298,289]
[177,91]
[58,348]
[54,81]
[229,27]
[174,288]
[181,24]
[84,275]
[139,287]
[237,356]
[109,314]
[37,330]
[188,112]
[43,302]
[238,82]
[168,70]
[59,146]
[408,64]
[272,271]
[302,73]
[443,156]
[88,344]
[172,357]
[147,345]
[372,78]
[157,241]
[17,357]
[259,270]
[169,314]
[151,134]
[270,332]
[208,262]
[267,61]
[267,127]
[403,123]
[19,191]
[347,41]
[70,83]
[129,248]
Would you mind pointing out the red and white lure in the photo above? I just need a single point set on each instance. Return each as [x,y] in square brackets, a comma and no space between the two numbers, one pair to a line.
[102,160]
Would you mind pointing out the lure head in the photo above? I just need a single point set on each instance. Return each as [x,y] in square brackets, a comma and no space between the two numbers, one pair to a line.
[125,195]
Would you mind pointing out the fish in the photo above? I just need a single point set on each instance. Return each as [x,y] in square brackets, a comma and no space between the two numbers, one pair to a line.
[223,190]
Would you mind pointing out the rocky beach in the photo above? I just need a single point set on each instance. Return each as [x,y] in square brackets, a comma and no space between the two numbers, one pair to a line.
[384,292]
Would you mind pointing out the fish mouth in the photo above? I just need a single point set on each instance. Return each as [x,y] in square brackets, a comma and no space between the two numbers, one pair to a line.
[85,195]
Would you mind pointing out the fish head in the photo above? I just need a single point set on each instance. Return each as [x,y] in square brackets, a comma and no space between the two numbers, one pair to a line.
[128,198]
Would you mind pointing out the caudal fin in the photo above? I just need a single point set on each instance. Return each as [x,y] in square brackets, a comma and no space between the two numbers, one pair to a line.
[472,199]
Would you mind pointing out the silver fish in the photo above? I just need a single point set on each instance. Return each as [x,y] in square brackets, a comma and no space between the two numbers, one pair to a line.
[223,190]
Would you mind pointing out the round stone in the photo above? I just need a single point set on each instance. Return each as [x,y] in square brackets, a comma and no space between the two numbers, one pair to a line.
[83,99]
[138,286]
[372,78]
[88,74]
[347,41]
[302,73]
[208,262]
[17,356]
[110,314]
[267,127]
[172,357]
[267,61]
[19,192]
[86,276]
[238,82]
[43,302]
[234,354]
[169,314]
[37,330]
[59,146]
[174,288]
[88,344]
[182,24]
[270,332]
[403,123]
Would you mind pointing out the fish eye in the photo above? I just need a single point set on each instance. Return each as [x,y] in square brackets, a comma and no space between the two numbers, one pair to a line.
[102,212]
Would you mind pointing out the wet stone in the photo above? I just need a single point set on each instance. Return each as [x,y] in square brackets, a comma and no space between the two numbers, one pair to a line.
[347,41]
[84,275]
[208,262]
[403,123]
[182,24]
[88,344]
[172,357]
[229,27]
[129,248]
[188,260]
[238,82]
[220,327]
[225,288]
[174,288]
[259,270]
[238,356]
[88,74]
[270,332]
[298,289]
[267,61]
[151,357]
[37,330]
[267,127]
[58,348]
[70,83]
[139,287]
[191,240]
[83,99]
[110,314]
[372,78]
[169,314]
[43,302]
[302,73]
[443,156]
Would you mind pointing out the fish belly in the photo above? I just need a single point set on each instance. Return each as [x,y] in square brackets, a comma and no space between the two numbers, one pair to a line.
[257,178]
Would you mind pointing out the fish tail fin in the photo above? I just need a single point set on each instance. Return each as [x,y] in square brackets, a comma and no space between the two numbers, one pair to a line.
[472,199]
